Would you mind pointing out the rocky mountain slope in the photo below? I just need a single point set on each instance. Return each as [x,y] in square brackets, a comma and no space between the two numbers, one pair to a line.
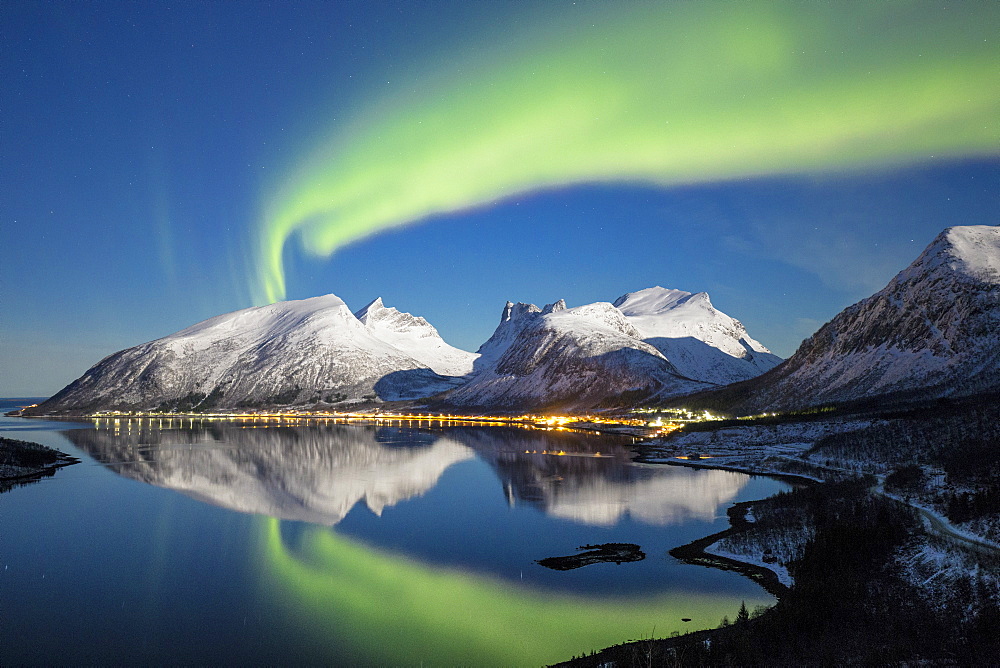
[933,331]
[288,353]
[700,341]
[571,358]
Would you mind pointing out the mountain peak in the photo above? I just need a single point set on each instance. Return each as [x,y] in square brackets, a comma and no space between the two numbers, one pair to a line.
[930,333]
[516,311]
[701,341]
[574,357]
[286,353]
[391,317]
[651,300]
[416,337]
[372,308]
[554,307]
[972,250]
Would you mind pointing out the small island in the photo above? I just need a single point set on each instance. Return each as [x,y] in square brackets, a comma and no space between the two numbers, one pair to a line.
[595,554]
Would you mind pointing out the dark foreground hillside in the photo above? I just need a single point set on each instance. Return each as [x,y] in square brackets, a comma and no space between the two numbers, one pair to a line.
[849,604]
[874,582]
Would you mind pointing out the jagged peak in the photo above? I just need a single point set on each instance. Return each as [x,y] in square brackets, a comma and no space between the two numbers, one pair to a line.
[384,318]
[512,311]
[373,307]
[554,307]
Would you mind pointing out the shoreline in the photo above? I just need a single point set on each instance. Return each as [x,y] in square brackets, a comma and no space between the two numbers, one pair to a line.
[25,462]
[695,553]
[588,425]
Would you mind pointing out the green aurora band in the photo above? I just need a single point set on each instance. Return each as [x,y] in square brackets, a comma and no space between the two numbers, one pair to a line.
[665,94]
[337,588]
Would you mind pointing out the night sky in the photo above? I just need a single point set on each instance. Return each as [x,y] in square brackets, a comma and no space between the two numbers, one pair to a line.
[164,162]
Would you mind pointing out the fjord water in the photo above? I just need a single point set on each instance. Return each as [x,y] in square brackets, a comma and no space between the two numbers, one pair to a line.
[265,542]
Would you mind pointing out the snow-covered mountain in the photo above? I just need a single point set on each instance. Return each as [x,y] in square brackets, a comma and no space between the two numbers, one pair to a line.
[417,338]
[315,351]
[933,331]
[514,319]
[579,357]
[287,353]
[700,341]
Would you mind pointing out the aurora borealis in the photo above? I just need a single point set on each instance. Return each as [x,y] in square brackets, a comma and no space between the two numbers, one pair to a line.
[168,162]
[665,93]
[458,618]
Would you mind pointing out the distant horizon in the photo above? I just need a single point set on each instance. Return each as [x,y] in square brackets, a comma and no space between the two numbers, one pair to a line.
[473,349]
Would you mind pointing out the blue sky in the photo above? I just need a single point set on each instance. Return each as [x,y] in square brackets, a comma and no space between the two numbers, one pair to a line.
[146,145]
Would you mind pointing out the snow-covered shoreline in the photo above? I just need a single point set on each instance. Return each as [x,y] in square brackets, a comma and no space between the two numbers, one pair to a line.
[786,451]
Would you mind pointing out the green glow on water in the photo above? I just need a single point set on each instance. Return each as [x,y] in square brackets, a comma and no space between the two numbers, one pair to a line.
[389,609]
[659,93]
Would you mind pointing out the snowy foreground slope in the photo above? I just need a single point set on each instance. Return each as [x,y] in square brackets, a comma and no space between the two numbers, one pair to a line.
[933,331]
[287,353]
[700,341]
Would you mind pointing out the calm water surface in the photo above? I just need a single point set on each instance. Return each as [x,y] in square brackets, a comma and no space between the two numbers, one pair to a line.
[249,543]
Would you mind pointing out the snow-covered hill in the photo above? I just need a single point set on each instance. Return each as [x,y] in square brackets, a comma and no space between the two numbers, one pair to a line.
[288,353]
[700,341]
[933,331]
[315,351]
[581,357]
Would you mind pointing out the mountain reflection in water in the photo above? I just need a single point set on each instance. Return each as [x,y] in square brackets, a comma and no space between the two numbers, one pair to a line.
[312,473]
[447,576]
[598,491]
[318,473]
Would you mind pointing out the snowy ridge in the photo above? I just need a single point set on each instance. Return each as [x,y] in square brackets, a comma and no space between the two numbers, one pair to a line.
[417,338]
[316,352]
[701,341]
[575,358]
[972,251]
[933,331]
[288,353]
